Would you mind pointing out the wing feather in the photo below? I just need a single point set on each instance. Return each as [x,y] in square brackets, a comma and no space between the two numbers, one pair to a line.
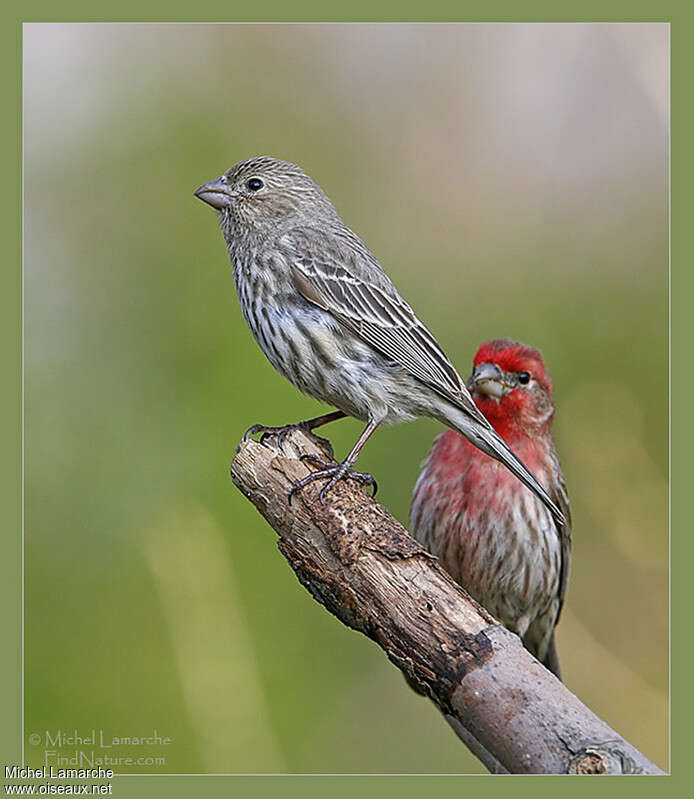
[561,498]
[348,283]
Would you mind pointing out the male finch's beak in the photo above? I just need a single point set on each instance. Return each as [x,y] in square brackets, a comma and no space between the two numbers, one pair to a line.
[214,193]
[488,381]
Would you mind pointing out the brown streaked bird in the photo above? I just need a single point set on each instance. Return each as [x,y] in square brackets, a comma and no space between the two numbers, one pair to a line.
[329,319]
[491,535]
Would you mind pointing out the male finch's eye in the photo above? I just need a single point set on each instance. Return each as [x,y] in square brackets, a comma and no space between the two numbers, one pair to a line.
[523,378]
[254,184]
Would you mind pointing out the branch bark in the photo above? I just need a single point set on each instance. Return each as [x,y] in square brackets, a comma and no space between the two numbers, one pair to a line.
[365,568]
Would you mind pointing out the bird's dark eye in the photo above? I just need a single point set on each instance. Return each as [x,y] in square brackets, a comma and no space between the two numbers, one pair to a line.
[254,184]
[523,378]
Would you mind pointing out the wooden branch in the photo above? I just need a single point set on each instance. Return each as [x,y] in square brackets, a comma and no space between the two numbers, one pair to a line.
[365,568]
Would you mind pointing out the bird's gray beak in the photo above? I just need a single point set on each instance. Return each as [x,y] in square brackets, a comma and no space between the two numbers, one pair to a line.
[488,381]
[214,193]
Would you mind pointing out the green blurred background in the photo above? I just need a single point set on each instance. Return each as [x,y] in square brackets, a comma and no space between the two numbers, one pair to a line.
[512,179]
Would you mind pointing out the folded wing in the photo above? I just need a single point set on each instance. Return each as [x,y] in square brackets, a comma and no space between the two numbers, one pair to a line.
[362,298]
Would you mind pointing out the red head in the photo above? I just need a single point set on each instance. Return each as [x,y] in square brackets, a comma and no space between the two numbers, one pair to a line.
[511,387]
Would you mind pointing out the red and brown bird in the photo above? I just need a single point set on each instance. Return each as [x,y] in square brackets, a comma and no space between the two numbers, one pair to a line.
[491,534]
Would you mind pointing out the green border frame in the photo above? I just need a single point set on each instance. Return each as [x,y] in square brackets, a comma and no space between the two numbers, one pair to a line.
[681,33]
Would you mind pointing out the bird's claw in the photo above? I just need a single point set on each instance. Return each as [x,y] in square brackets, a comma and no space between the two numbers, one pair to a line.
[335,472]
[259,428]
[266,430]
[281,432]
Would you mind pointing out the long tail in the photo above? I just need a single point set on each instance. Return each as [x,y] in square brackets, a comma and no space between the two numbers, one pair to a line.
[489,441]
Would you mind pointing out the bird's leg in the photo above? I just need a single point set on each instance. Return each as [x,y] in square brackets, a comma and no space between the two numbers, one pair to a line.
[334,472]
[308,426]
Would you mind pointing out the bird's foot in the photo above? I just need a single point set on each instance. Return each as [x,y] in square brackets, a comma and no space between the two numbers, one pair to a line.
[281,433]
[333,472]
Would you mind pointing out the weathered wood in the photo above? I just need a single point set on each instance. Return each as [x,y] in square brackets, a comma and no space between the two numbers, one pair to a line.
[365,568]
